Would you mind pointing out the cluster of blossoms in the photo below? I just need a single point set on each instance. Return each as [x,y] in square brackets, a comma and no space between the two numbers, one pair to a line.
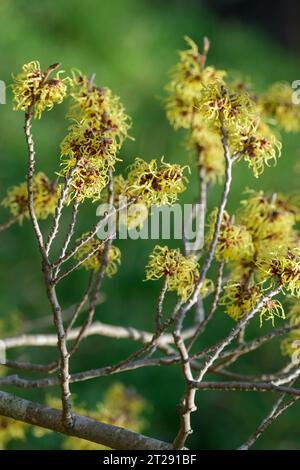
[278,105]
[34,88]
[91,147]
[45,197]
[94,261]
[189,79]
[147,184]
[181,272]
[261,247]
[202,101]
[234,241]
[240,298]
[283,268]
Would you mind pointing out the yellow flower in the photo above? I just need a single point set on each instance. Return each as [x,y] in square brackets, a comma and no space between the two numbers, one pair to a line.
[90,144]
[240,298]
[152,184]
[45,196]
[187,80]
[283,268]
[32,87]
[207,142]
[94,139]
[219,104]
[234,241]
[258,148]
[99,108]
[277,103]
[94,261]
[181,271]
[87,182]
[270,220]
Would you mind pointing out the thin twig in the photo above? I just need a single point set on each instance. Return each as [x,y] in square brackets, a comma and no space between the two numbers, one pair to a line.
[59,206]
[245,387]
[214,355]
[70,232]
[278,408]
[159,310]
[201,327]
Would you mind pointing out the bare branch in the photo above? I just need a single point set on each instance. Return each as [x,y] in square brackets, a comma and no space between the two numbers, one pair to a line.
[59,207]
[245,387]
[84,427]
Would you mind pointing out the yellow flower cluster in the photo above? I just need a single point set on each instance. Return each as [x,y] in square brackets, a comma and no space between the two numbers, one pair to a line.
[271,220]
[234,241]
[151,183]
[209,149]
[94,261]
[277,104]
[240,298]
[45,196]
[181,271]
[222,105]
[283,268]
[258,148]
[187,81]
[99,108]
[32,87]
[201,101]
[99,128]
[146,184]
[269,252]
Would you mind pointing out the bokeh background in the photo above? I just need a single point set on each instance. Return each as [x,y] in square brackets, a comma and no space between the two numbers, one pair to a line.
[131,45]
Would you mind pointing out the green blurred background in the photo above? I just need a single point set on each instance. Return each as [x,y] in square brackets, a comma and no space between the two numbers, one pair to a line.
[131,45]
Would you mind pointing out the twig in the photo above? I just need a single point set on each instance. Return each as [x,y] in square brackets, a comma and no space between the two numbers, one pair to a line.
[225,342]
[187,405]
[201,327]
[59,207]
[158,317]
[278,408]
[245,387]
[99,276]
[70,232]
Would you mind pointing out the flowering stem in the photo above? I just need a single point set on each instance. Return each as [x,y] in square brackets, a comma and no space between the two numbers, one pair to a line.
[234,332]
[56,309]
[99,275]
